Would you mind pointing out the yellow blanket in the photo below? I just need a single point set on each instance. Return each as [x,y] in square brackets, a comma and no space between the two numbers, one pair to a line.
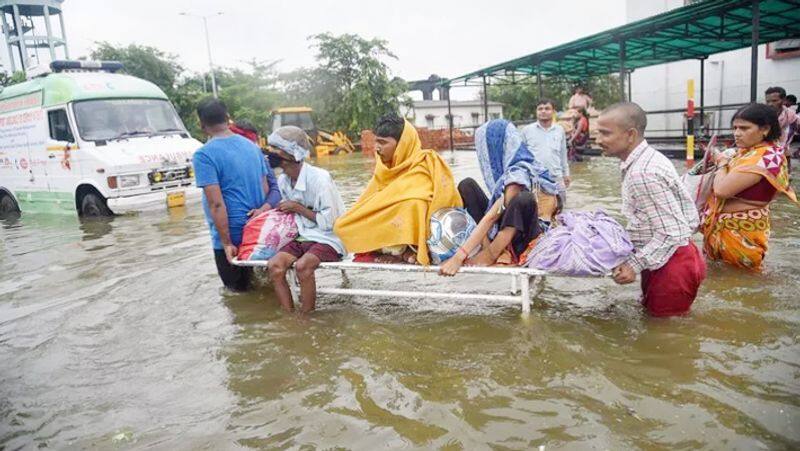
[397,205]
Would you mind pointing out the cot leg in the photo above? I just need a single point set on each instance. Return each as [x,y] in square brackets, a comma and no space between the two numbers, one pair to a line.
[525,293]
[345,279]
[514,288]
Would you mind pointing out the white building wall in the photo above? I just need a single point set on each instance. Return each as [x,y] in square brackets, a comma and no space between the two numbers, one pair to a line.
[465,114]
[664,87]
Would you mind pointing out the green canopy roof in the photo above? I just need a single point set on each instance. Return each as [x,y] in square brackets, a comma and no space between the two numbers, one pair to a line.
[691,32]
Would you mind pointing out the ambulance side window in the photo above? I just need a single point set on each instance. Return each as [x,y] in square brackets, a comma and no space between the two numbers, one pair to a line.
[59,126]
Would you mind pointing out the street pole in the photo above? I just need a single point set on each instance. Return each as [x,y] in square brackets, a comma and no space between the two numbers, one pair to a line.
[210,62]
[208,49]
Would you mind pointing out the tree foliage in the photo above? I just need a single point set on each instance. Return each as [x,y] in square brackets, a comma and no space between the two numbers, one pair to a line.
[352,85]
[520,100]
[349,87]
[249,93]
[7,80]
[144,62]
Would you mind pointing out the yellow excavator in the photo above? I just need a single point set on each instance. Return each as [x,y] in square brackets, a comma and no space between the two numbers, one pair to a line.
[325,143]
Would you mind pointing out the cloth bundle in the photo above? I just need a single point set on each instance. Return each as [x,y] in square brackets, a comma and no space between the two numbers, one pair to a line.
[265,234]
[583,244]
[699,181]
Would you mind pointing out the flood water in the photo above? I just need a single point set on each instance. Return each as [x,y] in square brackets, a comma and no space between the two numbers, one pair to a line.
[117,335]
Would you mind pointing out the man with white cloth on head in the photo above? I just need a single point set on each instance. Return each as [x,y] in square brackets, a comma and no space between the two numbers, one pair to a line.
[309,193]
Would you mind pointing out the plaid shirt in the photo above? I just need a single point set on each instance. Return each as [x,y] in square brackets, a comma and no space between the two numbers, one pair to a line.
[661,215]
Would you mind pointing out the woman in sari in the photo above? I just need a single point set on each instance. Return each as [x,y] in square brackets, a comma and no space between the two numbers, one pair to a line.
[508,220]
[736,225]
[390,221]
[580,134]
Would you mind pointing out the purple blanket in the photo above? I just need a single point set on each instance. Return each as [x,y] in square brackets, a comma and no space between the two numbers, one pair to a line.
[584,244]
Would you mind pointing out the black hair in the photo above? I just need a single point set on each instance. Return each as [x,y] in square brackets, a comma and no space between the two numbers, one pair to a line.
[212,111]
[545,102]
[792,98]
[776,89]
[390,126]
[246,125]
[761,115]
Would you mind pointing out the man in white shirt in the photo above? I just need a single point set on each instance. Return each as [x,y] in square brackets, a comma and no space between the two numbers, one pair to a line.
[548,142]
[310,193]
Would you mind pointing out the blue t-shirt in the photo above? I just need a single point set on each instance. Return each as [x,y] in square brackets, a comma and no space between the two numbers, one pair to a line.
[238,167]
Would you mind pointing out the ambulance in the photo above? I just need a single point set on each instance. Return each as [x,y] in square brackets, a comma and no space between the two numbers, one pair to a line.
[85,138]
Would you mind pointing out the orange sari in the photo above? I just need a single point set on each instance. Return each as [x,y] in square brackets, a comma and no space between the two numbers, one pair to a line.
[741,238]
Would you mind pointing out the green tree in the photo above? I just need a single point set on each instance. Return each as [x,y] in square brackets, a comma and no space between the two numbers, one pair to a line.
[249,94]
[349,89]
[12,79]
[352,87]
[144,62]
[252,93]
[190,90]
[310,87]
[520,100]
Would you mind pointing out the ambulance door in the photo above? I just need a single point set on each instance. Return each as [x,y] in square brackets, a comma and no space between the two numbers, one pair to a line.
[61,151]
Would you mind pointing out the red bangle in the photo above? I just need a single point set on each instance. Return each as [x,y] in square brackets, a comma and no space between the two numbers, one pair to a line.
[461,249]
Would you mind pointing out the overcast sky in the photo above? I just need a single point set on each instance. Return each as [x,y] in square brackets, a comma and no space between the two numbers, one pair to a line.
[446,37]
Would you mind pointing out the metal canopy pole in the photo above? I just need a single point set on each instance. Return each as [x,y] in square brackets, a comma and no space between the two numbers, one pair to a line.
[539,82]
[703,92]
[622,70]
[450,119]
[630,96]
[754,52]
[485,101]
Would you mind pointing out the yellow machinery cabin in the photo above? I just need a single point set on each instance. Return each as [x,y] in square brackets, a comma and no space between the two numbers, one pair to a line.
[325,143]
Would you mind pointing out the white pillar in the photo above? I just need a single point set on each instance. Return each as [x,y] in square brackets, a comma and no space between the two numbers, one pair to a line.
[50,44]
[20,39]
[63,33]
[8,43]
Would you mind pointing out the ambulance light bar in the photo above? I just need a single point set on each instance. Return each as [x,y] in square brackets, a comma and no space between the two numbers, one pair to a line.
[85,66]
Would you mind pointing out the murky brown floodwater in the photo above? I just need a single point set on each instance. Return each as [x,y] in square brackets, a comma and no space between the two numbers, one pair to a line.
[117,335]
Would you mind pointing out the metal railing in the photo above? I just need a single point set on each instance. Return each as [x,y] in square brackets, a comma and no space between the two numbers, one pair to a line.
[715,122]
[520,292]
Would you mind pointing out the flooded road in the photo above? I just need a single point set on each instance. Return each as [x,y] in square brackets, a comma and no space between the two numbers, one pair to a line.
[117,334]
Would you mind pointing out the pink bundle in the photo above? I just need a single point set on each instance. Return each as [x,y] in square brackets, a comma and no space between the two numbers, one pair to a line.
[265,234]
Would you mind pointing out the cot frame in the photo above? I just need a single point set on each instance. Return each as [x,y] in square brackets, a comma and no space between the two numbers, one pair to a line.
[520,291]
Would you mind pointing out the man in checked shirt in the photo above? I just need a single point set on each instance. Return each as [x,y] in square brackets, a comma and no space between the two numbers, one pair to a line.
[661,215]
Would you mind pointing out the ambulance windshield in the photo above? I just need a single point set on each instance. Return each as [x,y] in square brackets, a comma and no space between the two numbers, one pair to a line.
[102,120]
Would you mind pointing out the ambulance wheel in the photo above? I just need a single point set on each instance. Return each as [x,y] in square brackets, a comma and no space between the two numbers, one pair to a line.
[8,206]
[94,206]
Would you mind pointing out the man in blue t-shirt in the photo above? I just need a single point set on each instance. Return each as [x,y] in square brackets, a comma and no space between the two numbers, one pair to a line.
[236,184]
